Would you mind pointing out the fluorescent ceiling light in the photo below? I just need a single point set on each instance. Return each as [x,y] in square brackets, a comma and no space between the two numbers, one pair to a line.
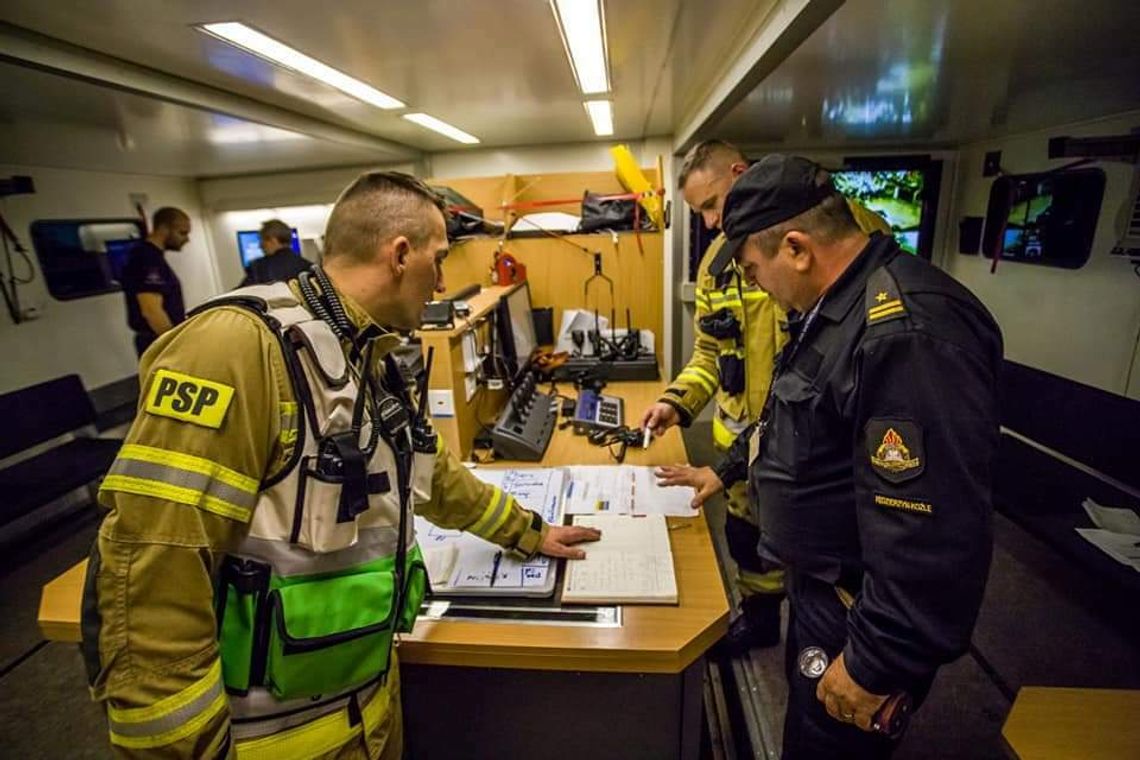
[583,28]
[601,113]
[262,45]
[445,129]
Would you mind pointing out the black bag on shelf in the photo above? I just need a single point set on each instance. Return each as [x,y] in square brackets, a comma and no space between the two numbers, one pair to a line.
[601,213]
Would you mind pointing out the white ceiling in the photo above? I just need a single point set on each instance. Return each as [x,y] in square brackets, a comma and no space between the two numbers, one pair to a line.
[891,73]
[50,120]
[901,73]
[494,68]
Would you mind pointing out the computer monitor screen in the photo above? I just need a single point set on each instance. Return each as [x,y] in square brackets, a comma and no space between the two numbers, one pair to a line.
[1047,219]
[522,323]
[117,253]
[905,196]
[249,245]
[515,331]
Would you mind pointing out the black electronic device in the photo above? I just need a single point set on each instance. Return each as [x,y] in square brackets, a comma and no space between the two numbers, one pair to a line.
[596,411]
[526,423]
[644,367]
[438,314]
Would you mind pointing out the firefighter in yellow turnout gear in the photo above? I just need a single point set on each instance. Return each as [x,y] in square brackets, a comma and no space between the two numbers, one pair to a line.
[738,332]
[259,556]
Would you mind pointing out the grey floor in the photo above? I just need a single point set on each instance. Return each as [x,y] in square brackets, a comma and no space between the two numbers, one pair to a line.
[45,710]
[1031,631]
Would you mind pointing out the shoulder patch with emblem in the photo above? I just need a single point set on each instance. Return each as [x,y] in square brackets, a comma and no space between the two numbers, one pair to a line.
[883,301]
[895,449]
[188,399]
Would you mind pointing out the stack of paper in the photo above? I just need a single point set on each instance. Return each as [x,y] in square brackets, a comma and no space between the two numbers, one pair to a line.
[632,563]
[1117,533]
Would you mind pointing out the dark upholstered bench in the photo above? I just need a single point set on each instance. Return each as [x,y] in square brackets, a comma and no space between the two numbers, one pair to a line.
[46,434]
[1063,441]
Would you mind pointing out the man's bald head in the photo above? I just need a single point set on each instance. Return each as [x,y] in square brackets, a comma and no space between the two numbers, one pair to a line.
[376,208]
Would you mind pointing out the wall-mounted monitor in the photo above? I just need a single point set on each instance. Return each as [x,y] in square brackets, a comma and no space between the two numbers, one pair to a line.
[249,245]
[901,189]
[1047,219]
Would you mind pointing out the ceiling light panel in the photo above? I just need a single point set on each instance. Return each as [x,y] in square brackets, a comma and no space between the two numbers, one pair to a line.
[583,27]
[602,115]
[442,127]
[253,41]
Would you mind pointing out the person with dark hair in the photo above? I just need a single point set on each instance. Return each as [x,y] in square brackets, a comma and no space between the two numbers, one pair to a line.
[259,557]
[151,289]
[280,262]
[870,466]
[738,334]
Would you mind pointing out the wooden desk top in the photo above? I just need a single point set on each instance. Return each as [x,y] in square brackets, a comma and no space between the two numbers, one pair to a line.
[652,639]
[1053,723]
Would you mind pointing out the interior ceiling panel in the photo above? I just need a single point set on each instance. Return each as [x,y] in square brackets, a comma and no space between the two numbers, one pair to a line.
[495,69]
[50,120]
[919,73]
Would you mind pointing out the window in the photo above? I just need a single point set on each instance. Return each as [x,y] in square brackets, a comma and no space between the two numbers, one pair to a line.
[84,257]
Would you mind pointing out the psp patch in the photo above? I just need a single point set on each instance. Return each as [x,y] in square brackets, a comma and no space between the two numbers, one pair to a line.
[895,449]
[188,399]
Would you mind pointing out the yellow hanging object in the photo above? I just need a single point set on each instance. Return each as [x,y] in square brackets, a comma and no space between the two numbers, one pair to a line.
[634,181]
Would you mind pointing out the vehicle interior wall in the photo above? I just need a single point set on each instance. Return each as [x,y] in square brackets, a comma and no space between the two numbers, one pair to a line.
[1080,324]
[89,335]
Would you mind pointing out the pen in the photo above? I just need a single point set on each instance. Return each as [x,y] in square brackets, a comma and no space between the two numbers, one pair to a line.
[495,567]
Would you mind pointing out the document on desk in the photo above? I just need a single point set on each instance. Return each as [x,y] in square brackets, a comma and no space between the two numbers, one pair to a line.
[624,490]
[462,564]
[631,564]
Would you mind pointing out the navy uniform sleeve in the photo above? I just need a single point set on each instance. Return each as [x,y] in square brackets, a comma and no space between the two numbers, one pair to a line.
[733,466]
[925,436]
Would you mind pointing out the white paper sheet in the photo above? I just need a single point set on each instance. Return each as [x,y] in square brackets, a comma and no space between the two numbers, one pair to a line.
[1122,547]
[1115,519]
[624,490]
[633,562]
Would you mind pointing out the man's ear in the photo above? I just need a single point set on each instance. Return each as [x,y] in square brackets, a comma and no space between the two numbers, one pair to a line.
[737,168]
[399,249]
[800,246]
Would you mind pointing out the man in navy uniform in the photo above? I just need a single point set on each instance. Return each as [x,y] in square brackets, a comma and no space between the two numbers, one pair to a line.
[870,467]
[280,262]
[152,290]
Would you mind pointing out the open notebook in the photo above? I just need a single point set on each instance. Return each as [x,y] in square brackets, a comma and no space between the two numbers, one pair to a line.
[632,563]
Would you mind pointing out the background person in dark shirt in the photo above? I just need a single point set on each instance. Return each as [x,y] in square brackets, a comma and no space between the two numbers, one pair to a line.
[280,262]
[152,290]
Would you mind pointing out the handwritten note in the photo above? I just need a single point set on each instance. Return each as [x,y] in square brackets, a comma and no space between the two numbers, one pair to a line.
[538,489]
[632,562]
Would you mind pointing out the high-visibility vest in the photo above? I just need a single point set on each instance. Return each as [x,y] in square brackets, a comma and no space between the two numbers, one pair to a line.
[310,601]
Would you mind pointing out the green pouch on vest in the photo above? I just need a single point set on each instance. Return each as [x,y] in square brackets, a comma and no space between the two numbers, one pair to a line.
[415,589]
[329,634]
[243,586]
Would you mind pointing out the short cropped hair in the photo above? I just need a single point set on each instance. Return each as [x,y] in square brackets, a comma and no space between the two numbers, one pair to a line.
[827,221]
[275,229]
[703,154]
[377,207]
[167,216]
